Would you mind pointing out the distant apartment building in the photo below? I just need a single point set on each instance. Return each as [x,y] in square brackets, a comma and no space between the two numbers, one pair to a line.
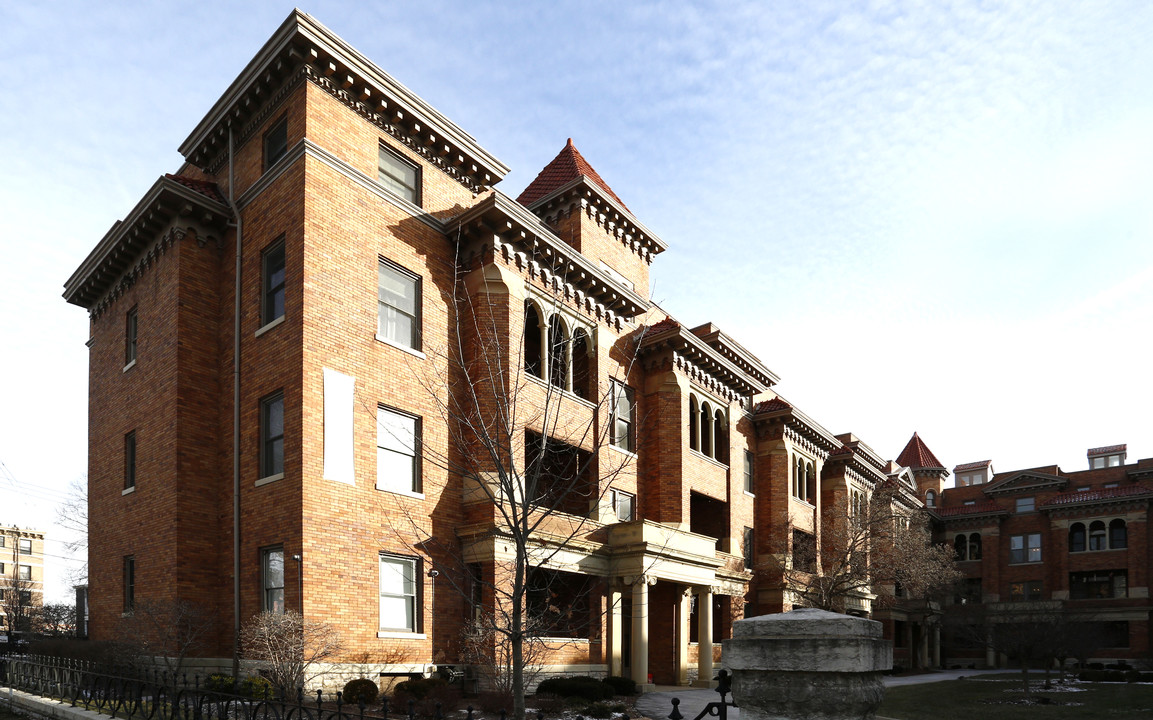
[21,578]
[1069,542]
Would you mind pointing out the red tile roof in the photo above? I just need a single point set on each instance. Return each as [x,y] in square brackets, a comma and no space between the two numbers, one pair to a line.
[918,455]
[973,465]
[1106,449]
[205,188]
[981,506]
[567,166]
[1098,495]
[666,324]
[769,405]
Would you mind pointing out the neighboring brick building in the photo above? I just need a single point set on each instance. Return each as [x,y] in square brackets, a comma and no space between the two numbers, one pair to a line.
[21,577]
[367,222]
[1074,542]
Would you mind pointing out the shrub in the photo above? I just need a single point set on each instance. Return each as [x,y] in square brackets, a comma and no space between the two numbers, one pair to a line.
[589,688]
[494,701]
[598,710]
[1101,676]
[361,690]
[621,685]
[419,688]
[255,686]
[220,682]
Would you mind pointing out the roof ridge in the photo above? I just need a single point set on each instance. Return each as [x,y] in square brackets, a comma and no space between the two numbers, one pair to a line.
[567,166]
[918,455]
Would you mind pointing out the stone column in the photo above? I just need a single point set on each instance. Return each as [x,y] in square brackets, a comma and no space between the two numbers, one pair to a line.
[640,638]
[704,637]
[616,618]
[682,630]
[937,645]
[808,664]
[923,659]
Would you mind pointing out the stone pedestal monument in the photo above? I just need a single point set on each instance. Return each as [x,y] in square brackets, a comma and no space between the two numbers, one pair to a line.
[808,664]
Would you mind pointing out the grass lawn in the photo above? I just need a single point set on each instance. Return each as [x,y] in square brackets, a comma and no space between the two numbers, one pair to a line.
[992,696]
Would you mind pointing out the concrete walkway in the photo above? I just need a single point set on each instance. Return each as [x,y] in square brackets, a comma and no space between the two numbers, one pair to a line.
[659,703]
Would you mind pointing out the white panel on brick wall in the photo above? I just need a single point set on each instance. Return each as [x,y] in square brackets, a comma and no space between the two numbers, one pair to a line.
[338,414]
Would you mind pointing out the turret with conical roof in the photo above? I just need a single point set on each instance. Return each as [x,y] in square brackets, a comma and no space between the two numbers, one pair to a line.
[927,469]
[571,197]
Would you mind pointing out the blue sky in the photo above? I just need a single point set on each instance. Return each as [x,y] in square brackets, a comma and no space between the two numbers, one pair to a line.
[930,217]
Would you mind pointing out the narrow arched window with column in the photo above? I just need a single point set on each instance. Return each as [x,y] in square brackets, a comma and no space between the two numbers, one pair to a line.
[720,437]
[1118,535]
[533,341]
[582,376]
[1076,537]
[694,424]
[706,429]
[810,483]
[558,353]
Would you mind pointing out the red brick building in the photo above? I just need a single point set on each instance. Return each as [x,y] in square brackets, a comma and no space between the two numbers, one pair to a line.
[1074,542]
[284,333]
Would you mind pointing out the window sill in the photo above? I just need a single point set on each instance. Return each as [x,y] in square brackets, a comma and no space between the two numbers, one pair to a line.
[794,498]
[129,366]
[1026,562]
[1102,550]
[622,451]
[401,635]
[398,346]
[712,460]
[749,494]
[269,479]
[396,491]
[128,491]
[567,394]
[269,325]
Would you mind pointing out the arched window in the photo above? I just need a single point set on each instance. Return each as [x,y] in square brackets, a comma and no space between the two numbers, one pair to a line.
[557,353]
[1076,537]
[975,546]
[1097,535]
[581,359]
[532,341]
[694,424]
[706,429]
[720,437]
[1118,535]
[930,499]
[961,548]
[811,484]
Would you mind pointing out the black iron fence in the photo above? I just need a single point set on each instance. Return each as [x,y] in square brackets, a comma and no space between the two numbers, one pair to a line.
[152,694]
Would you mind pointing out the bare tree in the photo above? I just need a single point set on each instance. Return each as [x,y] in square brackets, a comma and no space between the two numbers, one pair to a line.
[22,601]
[877,550]
[521,445]
[58,620]
[72,515]
[288,648]
[168,631]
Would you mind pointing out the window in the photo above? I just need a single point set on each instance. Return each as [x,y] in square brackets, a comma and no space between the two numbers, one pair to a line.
[624,505]
[130,332]
[1077,537]
[272,579]
[130,460]
[397,594]
[749,486]
[1025,548]
[804,551]
[397,439]
[1098,585]
[272,284]
[272,435]
[623,410]
[1098,463]
[3,541]
[25,572]
[1118,535]
[1097,537]
[1,571]
[747,547]
[276,142]
[398,298]
[1111,485]
[533,352]
[963,480]
[398,175]
[1025,591]
[558,349]
[804,480]
[694,443]
[25,598]
[930,498]
[1025,505]
[25,546]
[129,582]
[583,373]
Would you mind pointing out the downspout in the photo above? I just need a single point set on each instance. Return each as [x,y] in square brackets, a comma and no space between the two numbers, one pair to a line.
[235,419]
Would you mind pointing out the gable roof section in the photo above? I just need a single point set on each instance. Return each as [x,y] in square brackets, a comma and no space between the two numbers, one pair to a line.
[798,422]
[740,376]
[567,166]
[1104,496]
[303,47]
[917,455]
[1027,480]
